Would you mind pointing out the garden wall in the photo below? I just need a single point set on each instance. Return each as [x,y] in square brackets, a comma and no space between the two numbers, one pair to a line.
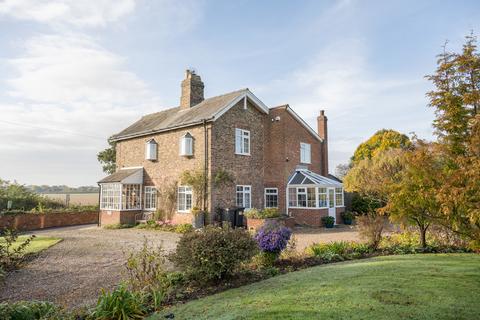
[34,221]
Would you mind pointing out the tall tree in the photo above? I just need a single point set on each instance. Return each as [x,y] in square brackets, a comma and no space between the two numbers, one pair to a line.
[412,199]
[107,158]
[456,100]
[372,178]
[382,140]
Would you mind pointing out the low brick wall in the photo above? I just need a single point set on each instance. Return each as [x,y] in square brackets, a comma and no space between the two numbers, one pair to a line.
[254,224]
[118,217]
[309,217]
[35,221]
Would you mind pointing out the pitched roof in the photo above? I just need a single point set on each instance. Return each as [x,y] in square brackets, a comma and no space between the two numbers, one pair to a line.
[120,175]
[306,177]
[177,117]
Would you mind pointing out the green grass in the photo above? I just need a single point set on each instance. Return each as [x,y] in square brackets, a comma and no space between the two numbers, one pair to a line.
[442,286]
[37,244]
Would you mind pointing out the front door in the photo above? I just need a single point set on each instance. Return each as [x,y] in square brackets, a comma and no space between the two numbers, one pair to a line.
[331,203]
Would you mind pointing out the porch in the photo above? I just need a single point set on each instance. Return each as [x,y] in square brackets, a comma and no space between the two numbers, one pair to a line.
[312,196]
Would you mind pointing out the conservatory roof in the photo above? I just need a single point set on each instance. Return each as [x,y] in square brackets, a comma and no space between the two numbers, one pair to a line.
[307,177]
[125,176]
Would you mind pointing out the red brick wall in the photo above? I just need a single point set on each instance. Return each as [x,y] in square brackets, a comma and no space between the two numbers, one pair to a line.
[310,217]
[31,221]
[246,169]
[282,151]
[338,215]
[117,217]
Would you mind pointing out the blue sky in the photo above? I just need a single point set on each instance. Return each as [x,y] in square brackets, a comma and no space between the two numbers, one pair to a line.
[74,72]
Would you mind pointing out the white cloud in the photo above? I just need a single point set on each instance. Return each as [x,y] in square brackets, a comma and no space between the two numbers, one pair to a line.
[71,68]
[78,13]
[70,95]
[357,100]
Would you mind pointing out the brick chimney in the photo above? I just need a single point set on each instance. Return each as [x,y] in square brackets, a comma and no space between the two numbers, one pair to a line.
[192,90]
[323,133]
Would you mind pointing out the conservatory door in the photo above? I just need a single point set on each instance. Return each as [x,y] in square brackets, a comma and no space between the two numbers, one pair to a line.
[331,203]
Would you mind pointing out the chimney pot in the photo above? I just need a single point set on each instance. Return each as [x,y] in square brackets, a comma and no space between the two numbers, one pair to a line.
[192,89]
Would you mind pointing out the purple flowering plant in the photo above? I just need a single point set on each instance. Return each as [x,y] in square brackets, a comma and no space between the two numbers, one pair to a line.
[272,237]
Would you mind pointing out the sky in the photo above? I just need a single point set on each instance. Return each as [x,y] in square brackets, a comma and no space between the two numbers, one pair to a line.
[72,73]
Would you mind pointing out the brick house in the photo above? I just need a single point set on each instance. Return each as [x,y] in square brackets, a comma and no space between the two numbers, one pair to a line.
[274,157]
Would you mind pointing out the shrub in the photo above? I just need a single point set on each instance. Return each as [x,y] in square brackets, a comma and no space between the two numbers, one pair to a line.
[370,228]
[29,310]
[266,213]
[120,304]
[183,228]
[213,254]
[328,221]
[252,213]
[273,237]
[347,217]
[146,268]
[339,250]
[270,213]
[12,253]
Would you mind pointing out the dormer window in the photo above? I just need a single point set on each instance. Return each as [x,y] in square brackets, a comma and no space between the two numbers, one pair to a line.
[186,145]
[151,150]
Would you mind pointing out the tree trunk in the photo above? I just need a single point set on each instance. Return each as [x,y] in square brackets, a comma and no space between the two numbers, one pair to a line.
[423,240]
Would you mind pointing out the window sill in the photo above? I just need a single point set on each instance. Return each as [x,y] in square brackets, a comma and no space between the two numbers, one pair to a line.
[242,154]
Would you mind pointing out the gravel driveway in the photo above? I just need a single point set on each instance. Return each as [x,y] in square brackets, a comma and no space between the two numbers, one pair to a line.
[73,272]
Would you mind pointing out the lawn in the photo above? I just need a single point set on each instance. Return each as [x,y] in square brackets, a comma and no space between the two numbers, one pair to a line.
[38,243]
[443,286]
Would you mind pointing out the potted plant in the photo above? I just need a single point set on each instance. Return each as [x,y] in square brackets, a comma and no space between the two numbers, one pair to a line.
[198,220]
[347,217]
[328,221]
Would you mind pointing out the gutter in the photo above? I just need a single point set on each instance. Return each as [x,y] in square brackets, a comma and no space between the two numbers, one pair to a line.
[205,185]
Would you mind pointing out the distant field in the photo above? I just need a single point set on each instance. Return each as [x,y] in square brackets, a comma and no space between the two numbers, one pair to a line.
[75,198]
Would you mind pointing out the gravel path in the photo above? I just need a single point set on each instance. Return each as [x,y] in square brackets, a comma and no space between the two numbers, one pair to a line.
[73,272]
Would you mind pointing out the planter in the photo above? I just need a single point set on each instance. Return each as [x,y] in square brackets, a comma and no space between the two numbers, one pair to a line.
[254,223]
[347,221]
[328,222]
[198,220]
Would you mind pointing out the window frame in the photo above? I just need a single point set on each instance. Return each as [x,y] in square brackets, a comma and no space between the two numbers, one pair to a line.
[151,150]
[304,147]
[242,135]
[325,201]
[111,196]
[186,141]
[297,195]
[342,195]
[187,191]
[270,194]
[243,192]
[149,192]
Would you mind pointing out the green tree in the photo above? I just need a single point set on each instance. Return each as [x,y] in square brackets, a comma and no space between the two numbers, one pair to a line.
[382,140]
[456,100]
[107,158]
[456,95]
[372,178]
[412,200]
